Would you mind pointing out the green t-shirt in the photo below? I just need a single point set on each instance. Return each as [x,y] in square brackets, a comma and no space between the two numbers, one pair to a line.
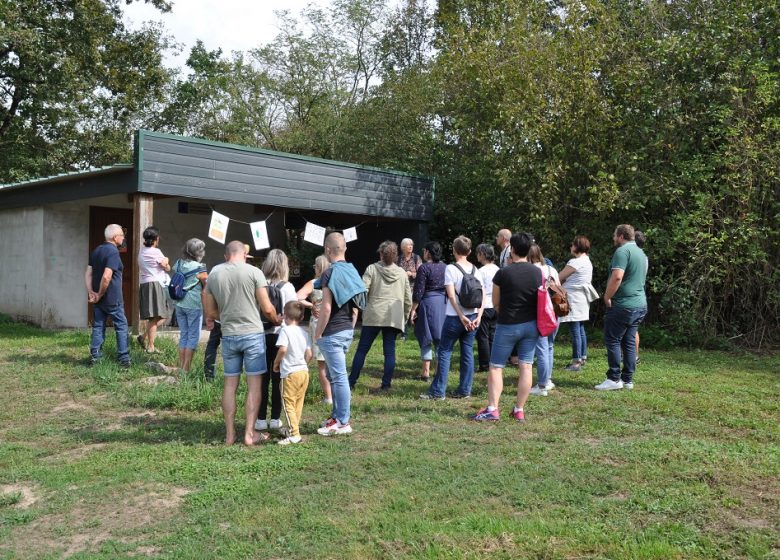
[633,262]
[234,286]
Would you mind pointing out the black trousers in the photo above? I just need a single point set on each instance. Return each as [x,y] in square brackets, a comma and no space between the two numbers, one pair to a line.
[485,335]
[270,378]
[210,357]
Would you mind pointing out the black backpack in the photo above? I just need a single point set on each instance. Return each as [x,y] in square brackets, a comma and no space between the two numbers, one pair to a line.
[275,295]
[471,292]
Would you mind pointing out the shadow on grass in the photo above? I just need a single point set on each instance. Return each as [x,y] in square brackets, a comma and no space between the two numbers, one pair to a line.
[59,358]
[146,430]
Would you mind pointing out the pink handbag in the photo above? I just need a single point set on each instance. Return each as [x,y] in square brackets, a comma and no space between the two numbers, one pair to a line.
[546,321]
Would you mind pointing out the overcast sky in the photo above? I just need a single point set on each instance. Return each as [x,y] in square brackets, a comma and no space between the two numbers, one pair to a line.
[232,25]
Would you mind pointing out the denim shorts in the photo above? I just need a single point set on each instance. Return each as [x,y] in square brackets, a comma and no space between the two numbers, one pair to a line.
[522,335]
[247,350]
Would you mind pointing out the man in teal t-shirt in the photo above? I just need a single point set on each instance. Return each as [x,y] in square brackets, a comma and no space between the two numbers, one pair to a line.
[626,308]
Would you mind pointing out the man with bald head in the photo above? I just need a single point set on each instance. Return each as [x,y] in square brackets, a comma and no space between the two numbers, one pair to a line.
[236,293]
[103,280]
[341,285]
[502,240]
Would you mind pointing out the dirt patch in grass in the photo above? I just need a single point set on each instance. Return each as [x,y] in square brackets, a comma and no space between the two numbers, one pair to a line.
[76,454]
[91,522]
[28,494]
[121,421]
[757,508]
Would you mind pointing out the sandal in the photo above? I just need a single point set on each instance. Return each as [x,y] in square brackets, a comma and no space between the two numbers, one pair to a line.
[424,378]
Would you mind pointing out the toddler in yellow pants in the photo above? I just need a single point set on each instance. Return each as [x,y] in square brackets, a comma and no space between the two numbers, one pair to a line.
[291,362]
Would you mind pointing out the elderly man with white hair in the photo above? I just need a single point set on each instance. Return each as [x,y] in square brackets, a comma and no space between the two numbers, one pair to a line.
[103,280]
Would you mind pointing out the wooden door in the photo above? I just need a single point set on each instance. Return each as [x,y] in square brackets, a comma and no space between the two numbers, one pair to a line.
[99,218]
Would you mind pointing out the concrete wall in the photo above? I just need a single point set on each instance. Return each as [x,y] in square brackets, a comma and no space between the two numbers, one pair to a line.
[64,257]
[21,273]
[44,252]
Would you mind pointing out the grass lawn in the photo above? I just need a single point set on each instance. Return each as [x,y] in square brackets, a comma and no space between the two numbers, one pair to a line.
[96,464]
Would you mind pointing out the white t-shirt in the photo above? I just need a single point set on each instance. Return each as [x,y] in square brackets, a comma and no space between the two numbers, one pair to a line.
[549,272]
[453,277]
[297,341]
[583,272]
[486,274]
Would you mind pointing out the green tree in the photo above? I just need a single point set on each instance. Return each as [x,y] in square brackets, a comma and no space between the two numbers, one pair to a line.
[74,82]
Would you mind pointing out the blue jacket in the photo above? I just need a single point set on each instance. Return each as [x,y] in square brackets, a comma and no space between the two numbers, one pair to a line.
[345,282]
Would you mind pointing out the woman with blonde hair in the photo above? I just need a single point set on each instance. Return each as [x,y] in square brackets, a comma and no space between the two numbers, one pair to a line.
[314,296]
[277,272]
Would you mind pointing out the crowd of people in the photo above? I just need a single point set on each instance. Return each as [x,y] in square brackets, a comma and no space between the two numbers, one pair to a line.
[256,315]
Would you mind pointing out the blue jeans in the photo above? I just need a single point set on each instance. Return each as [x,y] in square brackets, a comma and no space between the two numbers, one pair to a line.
[579,340]
[452,331]
[367,336]
[545,347]
[620,326]
[190,321]
[117,314]
[334,349]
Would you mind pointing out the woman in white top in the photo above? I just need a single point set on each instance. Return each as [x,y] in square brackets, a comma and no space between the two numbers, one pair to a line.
[314,295]
[460,324]
[152,267]
[576,277]
[276,269]
[545,344]
[487,326]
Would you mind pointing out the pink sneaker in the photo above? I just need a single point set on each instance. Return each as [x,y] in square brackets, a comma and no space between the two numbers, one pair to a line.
[518,415]
[486,415]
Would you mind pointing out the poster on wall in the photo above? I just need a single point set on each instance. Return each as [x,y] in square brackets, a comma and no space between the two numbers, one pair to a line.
[218,227]
[350,234]
[260,235]
[314,234]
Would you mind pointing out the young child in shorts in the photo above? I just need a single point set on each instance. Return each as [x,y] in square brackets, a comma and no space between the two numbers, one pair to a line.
[291,362]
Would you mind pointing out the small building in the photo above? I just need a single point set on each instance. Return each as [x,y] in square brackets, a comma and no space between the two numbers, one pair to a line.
[48,226]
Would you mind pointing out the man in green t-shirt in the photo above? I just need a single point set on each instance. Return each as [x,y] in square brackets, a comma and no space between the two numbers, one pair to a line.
[626,308]
[236,294]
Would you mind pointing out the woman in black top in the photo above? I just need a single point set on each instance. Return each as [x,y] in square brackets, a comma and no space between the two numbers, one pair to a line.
[514,296]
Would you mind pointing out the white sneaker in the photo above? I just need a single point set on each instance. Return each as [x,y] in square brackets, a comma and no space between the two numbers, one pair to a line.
[550,386]
[326,401]
[335,428]
[628,386]
[290,439]
[275,424]
[538,391]
[609,385]
[261,425]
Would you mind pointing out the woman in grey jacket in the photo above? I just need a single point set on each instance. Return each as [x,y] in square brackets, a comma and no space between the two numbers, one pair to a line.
[388,305]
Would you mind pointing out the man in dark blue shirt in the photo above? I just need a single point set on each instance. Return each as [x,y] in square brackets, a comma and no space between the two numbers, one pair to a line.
[103,280]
